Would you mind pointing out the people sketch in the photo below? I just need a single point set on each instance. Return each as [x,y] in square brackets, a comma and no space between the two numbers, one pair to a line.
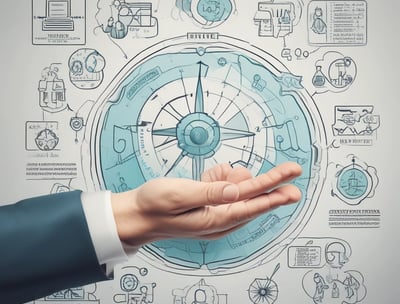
[318,25]
[332,284]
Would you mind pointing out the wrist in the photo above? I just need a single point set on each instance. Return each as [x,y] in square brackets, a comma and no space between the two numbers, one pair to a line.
[132,227]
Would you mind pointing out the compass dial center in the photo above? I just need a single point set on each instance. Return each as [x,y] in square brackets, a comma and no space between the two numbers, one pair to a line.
[199,136]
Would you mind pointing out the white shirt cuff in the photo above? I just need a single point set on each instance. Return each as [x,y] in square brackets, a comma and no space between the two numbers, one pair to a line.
[103,229]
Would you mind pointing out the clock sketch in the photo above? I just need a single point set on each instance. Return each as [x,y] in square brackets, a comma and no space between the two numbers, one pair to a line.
[182,106]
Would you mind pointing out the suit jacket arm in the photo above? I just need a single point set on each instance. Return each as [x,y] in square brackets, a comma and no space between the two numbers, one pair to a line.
[45,246]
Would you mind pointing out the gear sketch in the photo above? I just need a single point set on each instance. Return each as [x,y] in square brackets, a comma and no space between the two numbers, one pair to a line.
[183,106]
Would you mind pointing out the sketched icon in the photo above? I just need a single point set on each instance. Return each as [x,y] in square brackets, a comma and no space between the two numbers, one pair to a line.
[354,182]
[207,13]
[58,16]
[264,291]
[46,140]
[86,68]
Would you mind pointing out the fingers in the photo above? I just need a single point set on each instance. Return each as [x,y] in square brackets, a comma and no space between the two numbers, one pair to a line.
[238,174]
[276,176]
[179,195]
[212,222]
[217,173]
[244,186]
[224,172]
[252,208]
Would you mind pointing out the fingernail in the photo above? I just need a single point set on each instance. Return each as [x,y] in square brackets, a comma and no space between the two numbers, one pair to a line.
[230,193]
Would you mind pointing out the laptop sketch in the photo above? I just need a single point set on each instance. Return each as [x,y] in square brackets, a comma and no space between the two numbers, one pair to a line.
[58,16]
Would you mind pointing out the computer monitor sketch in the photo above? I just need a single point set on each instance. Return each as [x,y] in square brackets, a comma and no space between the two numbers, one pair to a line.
[58,9]
[58,16]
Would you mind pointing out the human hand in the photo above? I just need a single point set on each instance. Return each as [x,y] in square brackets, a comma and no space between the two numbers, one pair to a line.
[226,199]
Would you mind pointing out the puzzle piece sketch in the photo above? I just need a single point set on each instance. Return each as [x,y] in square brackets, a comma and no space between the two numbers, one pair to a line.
[191,105]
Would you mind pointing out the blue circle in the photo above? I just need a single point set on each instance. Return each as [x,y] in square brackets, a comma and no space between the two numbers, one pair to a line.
[198,135]
[353,183]
[214,11]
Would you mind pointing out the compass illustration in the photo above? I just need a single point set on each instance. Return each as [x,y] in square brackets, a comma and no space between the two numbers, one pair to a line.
[179,108]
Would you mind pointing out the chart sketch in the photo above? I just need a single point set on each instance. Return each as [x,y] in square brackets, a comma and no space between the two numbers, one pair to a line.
[122,19]
[181,110]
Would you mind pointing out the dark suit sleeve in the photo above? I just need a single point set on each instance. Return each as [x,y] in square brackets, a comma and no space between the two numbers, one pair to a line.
[45,246]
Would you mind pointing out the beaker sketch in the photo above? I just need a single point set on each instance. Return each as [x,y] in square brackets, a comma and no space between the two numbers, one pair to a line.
[319,78]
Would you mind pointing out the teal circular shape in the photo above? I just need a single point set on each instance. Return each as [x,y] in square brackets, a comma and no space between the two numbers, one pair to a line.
[353,183]
[199,135]
[214,11]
